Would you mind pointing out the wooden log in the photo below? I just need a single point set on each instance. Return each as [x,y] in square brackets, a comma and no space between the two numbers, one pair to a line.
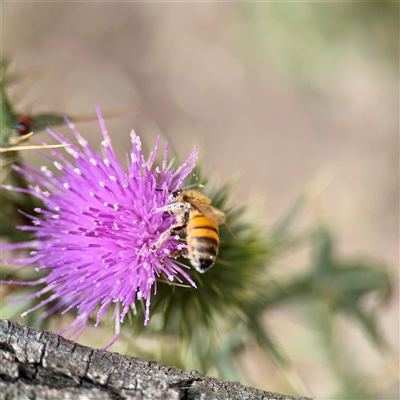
[37,364]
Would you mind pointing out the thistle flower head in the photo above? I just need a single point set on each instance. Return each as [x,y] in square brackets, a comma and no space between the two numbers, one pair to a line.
[96,230]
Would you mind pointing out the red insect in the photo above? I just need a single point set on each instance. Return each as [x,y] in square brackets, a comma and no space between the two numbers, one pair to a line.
[23,124]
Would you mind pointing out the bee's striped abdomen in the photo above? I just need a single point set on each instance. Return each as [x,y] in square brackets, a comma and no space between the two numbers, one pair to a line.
[202,240]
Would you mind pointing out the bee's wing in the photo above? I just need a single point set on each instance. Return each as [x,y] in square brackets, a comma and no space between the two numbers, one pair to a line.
[209,212]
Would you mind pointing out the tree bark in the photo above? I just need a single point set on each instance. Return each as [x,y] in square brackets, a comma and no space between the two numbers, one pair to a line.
[36,364]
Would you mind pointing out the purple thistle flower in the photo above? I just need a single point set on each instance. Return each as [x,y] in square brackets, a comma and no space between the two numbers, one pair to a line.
[95,233]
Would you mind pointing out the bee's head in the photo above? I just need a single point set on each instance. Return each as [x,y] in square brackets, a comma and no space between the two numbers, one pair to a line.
[175,194]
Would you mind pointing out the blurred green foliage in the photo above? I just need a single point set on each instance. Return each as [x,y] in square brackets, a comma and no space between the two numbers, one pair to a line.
[324,31]
[11,202]
[9,115]
[205,329]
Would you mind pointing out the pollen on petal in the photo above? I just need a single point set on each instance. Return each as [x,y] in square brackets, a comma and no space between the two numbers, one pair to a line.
[58,165]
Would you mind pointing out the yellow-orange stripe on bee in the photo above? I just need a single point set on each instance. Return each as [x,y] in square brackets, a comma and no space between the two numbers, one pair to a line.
[200,226]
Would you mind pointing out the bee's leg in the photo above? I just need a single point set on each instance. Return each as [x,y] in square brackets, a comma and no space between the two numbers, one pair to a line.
[175,228]
[163,237]
[182,252]
[181,213]
[173,208]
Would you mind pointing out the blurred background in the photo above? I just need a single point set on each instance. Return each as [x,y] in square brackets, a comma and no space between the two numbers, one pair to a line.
[274,95]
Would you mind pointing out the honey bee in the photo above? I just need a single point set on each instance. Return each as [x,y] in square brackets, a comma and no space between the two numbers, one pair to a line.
[199,219]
